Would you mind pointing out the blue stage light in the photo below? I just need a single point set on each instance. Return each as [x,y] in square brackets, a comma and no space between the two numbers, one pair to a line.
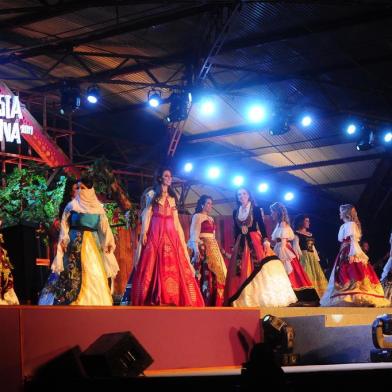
[93,94]
[263,187]
[306,121]
[289,196]
[207,107]
[213,172]
[154,98]
[388,137]
[188,167]
[351,129]
[256,114]
[238,180]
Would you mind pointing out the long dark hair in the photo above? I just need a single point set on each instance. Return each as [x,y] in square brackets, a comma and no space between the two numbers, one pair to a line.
[299,220]
[200,203]
[252,201]
[158,185]
[67,195]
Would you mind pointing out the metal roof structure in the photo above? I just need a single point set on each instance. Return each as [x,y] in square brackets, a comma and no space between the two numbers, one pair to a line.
[328,58]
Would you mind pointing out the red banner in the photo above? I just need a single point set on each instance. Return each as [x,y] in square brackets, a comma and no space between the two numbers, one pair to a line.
[40,141]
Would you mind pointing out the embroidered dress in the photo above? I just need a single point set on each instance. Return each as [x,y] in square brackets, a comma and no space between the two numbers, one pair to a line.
[163,274]
[210,267]
[303,246]
[7,293]
[80,274]
[353,282]
[386,279]
[302,285]
[249,231]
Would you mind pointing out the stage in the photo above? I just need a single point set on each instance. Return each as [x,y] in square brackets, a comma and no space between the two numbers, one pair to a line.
[182,341]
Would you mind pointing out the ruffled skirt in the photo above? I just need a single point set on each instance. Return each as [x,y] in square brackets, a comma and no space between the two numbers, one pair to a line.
[353,284]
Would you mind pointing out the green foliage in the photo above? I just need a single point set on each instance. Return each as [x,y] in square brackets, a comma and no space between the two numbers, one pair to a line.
[27,198]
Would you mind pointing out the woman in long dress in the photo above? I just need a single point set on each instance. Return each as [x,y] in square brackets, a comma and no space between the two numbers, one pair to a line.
[304,247]
[163,274]
[84,259]
[353,281]
[386,277]
[207,259]
[7,292]
[282,236]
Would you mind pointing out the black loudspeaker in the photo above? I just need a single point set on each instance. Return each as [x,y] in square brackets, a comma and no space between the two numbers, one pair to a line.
[67,364]
[115,355]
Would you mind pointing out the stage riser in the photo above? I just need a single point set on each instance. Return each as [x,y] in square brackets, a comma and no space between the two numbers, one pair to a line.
[318,344]
[174,337]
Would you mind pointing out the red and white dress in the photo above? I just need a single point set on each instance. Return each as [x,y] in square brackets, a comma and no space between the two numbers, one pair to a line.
[163,273]
[209,265]
[302,285]
[353,281]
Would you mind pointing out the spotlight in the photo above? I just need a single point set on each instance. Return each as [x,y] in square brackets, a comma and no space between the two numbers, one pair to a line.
[93,94]
[238,180]
[70,98]
[280,127]
[388,137]
[263,187]
[256,114]
[289,196]
[179,106]
[188,167]
[381,327]
[351,129]
[154,98]
[280,337]
[366,140]
[207,107]
[213,172]
[306,121]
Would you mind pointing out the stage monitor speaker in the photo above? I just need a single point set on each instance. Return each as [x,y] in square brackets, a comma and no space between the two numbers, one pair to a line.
[67,364]
[116,355]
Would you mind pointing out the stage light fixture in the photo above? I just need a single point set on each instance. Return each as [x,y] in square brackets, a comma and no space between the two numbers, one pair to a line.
[188,167]
[279,336]
[388,137]
[366,140]
[93,94]
[213,172]
[306,121]
[280,127]
[351,129]
[263,187]
[154,98]
[256,114]
[289,196]
[179,105]
[238,180]
[70,98]
[207,107]
[382,327]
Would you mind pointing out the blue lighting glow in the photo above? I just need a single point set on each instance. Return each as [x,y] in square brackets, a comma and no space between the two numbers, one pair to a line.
[263,187]
[289,196]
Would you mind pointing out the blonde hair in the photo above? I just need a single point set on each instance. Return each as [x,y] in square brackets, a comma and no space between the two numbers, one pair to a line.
[281,210]
[350,213]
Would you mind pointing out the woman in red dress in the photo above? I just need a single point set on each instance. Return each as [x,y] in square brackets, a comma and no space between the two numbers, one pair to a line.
[163,274]
[282,236]
[207,257]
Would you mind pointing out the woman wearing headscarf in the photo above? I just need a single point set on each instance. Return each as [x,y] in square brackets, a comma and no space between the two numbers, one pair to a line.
[84,259]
